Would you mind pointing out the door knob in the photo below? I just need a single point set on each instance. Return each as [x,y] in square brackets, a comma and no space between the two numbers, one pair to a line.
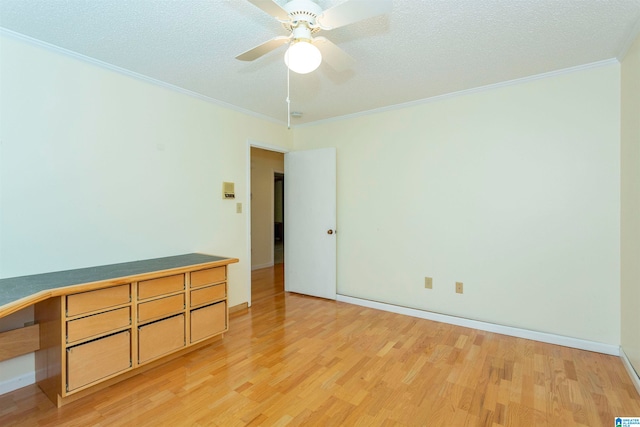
[329,231]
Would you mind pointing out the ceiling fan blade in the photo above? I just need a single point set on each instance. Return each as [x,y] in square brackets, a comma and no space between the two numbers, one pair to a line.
[352,11]
[335,57]
[263,48]
[272,8]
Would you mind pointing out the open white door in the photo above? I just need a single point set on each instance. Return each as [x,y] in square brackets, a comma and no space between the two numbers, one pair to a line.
[310,222]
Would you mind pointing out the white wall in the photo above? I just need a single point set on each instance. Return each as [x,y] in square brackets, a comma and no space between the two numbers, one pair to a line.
[97,168]
[513,191]
[263,164]
[630,193]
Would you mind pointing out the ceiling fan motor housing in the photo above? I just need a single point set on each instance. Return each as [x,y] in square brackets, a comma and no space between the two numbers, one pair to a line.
[302,11]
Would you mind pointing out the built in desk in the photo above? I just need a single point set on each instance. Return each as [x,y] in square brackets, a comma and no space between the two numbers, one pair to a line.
[99,325]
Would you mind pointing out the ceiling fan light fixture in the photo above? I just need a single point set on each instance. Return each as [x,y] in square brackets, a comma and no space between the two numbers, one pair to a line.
[302,57]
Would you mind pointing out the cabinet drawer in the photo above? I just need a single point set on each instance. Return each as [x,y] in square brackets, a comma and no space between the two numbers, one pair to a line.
[209,294]
[160,308]
[97,324]
[162,337]
[90,362]
[208,276]
[160,286]
[99,299]
[208,321]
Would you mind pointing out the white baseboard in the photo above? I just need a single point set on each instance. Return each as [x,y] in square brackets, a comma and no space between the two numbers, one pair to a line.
[489,327]
[632,372]
[17,382]
[259,266]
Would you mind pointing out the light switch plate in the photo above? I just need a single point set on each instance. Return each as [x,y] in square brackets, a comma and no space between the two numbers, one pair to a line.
[428,283]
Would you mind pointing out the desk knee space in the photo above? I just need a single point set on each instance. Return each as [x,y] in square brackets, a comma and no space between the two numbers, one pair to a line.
[17,342]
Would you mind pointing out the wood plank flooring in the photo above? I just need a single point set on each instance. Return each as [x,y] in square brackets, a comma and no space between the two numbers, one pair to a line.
[296,360]
[267,283]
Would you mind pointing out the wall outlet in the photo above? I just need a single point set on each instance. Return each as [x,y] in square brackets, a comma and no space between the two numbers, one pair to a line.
[428,283]
[458,287]
[238,207]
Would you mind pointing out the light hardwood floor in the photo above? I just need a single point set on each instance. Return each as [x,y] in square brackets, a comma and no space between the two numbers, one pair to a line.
[297,360]
[267,283]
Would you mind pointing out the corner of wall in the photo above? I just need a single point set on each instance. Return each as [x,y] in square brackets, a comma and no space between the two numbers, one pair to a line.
[630,204]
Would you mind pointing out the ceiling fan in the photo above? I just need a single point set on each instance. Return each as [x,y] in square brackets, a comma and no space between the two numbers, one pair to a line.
[303,19]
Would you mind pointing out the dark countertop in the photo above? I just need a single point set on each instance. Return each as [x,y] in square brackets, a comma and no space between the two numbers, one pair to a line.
[15,289]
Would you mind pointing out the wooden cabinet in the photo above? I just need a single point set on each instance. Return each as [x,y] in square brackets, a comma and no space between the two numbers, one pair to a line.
[160,286]
[161,337]
[159,308]
[208,321]
[98,324]
[98,359]
[105,333]
[85,302]
[98,335]
[208,276]
[207,302]
[209,294]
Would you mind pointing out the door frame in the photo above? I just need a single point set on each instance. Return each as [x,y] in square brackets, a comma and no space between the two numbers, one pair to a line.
[263,146]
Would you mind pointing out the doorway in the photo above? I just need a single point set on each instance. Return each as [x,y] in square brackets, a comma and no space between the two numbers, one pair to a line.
[310,204]
[266,219]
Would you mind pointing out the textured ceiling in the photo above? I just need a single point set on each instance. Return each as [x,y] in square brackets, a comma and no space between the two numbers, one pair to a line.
[423,48]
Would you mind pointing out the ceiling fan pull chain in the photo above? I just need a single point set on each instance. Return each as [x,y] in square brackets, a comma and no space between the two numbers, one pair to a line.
[288,103]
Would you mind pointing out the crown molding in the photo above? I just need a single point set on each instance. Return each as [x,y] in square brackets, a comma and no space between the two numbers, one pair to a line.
[449,95]
[80,57]
[56,49]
